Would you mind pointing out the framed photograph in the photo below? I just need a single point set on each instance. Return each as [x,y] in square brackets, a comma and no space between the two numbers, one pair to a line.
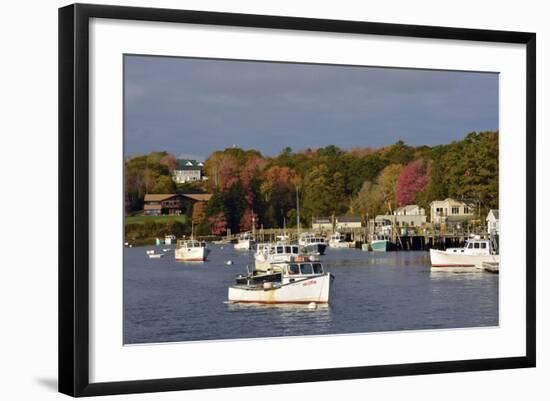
[251,199]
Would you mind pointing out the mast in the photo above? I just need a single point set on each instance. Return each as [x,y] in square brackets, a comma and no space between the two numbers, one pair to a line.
[297,213]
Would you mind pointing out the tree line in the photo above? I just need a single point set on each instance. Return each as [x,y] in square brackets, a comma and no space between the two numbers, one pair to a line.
[249,187]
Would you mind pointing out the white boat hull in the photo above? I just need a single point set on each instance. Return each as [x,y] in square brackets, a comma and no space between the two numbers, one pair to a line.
[312,289]
[244,245]
[337,244]
[446,261]
[194,254]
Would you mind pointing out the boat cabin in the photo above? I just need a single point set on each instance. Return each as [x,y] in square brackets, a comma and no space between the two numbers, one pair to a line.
[192,243]
[474,247]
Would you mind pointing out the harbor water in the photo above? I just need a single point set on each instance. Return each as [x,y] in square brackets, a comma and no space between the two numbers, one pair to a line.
[167,301]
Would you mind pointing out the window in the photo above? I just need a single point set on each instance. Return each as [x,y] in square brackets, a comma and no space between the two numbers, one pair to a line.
[318,268]
[306,268]
[287,249]
[294,249]
[476,245]
[293,269]
[412,223]
[280,249]
[466,210]
[470,246]
[455,210]
[483,245]
[439,210]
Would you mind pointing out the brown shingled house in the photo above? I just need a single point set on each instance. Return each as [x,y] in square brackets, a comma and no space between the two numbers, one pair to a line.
[159,204]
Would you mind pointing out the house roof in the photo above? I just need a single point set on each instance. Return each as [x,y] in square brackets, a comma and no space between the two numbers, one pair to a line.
[348,219]
[199,197]
[319,220]
[495,213]
[152,207]
[157,197]
[407,207]
[188,164]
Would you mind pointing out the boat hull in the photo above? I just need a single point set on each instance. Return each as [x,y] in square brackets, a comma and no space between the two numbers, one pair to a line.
[312,289]
[192,254]
[244,245]
[380,246]
[445,261]
[336,244]
[315,248]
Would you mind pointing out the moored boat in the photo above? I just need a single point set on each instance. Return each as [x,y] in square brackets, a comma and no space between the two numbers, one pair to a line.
[298,281]
[338,240]
[311,243]
[380,243]
[246,242]
[471,257]
[191,251]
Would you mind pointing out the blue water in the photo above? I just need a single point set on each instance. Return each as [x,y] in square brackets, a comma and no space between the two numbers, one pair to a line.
[165,300]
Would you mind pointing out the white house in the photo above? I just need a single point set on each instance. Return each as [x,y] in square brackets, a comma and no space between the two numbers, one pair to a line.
[493,222]
[321,223]
[450,211]
[188,171]
[410,210]
[343,222]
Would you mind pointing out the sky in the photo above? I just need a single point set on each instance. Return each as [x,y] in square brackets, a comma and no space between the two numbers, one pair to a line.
[192,107]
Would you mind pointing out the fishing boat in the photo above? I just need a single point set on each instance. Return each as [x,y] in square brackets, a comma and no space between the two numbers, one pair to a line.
[311,243]
[170,239]
[380,243]
[337,240]
[277,252]
[246,242]
[471,257]
[191,250]
[300,280]
[155,255]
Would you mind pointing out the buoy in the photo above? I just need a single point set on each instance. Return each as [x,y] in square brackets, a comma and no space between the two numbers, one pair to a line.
[229,262]
[312,305]
[221,247]
[129,246]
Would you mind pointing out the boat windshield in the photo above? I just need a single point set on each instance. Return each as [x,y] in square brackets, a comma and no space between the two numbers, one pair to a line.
[306,268]
[317,268]
[293,269]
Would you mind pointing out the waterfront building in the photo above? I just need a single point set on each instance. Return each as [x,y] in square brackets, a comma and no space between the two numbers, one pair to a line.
[344,222]
[493,222]
[451,211]
[321,224]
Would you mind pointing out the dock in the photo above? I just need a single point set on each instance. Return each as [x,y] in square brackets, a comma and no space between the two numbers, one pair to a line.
[491,267]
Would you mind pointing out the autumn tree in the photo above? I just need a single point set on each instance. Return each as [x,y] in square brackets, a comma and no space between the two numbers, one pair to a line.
[413,179]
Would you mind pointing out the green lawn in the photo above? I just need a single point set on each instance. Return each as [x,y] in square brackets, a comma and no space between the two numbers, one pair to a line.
[156,219]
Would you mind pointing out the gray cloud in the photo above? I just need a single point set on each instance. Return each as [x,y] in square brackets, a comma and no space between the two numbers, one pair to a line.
[196,106]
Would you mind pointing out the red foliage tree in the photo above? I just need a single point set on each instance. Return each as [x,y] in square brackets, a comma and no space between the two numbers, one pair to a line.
[414,178]
[218,224]
[247,220]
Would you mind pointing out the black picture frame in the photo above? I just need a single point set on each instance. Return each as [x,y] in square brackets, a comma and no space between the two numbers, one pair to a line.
[74,198]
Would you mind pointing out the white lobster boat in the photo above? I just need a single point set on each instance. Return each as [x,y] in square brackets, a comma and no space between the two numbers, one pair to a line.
[191,251]
[246,242]
[277,252]
[312,243]
[298,281]
[470,258]
[337,240]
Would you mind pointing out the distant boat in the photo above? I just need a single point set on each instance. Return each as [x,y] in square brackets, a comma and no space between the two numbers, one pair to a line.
[471,257]
[169,239]
[155,255]
[191,251]
[312,243]
[380,243]
[338,240]
[246,242]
